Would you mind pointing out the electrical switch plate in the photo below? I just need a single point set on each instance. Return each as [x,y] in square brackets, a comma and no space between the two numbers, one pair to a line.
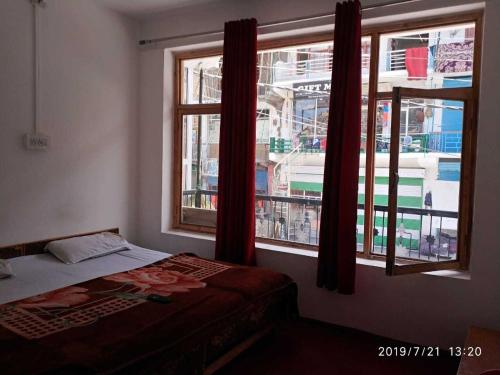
[36,141]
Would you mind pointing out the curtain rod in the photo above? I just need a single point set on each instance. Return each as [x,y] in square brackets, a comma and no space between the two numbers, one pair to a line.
[272,24]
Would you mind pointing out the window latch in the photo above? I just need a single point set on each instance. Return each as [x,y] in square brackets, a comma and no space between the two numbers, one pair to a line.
[395,182]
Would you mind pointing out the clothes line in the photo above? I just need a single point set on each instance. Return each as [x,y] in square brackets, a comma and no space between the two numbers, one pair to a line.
[274,24]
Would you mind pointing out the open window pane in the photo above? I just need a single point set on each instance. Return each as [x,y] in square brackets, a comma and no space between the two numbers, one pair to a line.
[201,80]
[292,118]
[430,152]
[200,164]
[416,172]
[428,215]
[439,57]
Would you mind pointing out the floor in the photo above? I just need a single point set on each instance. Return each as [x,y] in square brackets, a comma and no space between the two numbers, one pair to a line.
[310,347]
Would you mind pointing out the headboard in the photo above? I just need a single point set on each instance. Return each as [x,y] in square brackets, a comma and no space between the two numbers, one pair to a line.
[37,247]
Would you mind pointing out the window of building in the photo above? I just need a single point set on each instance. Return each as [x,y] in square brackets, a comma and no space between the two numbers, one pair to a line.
[415,211]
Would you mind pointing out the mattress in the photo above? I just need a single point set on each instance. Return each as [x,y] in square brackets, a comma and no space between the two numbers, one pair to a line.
[110,324]
[41,273]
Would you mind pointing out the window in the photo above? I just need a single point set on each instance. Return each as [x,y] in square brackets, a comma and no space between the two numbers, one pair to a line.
[431,234]
[201,80]
[414,198]
[423,182]
[200,149]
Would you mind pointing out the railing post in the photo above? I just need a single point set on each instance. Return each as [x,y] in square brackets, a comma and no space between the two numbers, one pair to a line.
[197,198]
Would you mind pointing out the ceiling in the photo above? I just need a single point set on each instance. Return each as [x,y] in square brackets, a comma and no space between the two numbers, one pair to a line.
[141,8]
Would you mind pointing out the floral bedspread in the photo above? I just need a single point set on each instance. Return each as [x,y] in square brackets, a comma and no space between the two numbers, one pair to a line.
[110,324]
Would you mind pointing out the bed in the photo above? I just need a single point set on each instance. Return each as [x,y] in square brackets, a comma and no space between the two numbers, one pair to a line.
[107,322]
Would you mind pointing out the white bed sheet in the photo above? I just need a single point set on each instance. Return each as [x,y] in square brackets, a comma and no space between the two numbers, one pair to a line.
[41,273]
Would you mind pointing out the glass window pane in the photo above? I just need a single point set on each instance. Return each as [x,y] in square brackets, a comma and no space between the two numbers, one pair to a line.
[201,80]
[427,58]
[365,69]
[200,163]
[292,117]
[429,178]
[430,151]
[381,186]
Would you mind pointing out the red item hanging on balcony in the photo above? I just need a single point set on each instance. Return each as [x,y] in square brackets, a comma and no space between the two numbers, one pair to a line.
[323,144]
[235,238]
[416,62]
[337,241]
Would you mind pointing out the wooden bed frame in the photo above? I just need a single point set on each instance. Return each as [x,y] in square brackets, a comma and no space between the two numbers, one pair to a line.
[38,247]
[237,350]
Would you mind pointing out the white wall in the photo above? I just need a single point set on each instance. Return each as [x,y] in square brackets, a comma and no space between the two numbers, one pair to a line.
[87,180]
[424,309]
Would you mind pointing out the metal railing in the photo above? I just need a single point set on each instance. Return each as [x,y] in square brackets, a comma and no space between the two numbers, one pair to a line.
[300,65]
[446,141]
[422,233]
[396,59]
[308,144]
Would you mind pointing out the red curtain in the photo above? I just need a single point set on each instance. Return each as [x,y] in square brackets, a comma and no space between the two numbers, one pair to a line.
[416,62]
[235,239]
[337,241]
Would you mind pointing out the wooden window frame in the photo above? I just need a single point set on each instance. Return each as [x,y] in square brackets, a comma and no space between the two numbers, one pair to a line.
[374,32]
[464,95]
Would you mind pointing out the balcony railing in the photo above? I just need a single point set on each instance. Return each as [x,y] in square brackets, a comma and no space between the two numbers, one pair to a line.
[448,141]
[396,59]
[308,144]
[299,65]
[424,234]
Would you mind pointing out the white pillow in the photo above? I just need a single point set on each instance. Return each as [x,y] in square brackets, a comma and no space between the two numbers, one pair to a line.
[5,269]
[75,249]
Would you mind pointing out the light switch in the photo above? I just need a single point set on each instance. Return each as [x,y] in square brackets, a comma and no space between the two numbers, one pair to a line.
[36,141]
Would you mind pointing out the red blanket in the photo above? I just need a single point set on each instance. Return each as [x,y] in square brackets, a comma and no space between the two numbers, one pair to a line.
[109,325]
